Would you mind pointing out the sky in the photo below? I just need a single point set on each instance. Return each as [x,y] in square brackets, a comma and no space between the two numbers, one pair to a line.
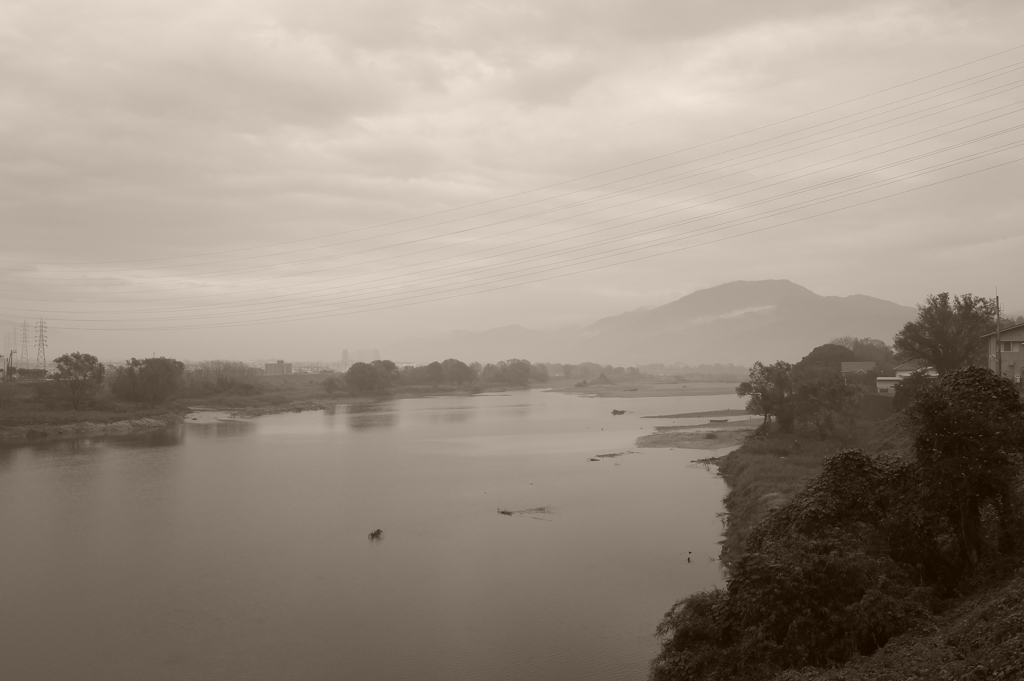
[285,179]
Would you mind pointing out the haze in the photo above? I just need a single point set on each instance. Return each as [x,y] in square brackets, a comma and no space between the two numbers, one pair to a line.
[259,179]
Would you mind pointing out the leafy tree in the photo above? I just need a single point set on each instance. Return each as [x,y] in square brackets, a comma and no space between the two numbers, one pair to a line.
[770,389]
[81,373]
[822,362]
[387,373]
[967,439]
[362,379]
[333,383]
[809,590]
[125,383]
[160,378]
[947,332]
[435,373]
[908,389]
[151,380]
[457,373]
[821,401]
[538,373]
[868,350]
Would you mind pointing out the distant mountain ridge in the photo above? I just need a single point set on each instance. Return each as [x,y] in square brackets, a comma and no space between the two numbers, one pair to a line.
[738,322]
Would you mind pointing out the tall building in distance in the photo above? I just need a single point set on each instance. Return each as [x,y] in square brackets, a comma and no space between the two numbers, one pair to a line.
[278,368]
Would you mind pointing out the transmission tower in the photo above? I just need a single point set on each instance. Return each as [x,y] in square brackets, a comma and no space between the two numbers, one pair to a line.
[41,345]
[23,355]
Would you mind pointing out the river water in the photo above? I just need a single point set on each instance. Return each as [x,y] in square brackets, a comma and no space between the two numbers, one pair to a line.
[239,550]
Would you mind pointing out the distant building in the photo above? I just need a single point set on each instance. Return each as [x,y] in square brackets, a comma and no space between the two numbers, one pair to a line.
[1011,340]
[278,368]
[850,369]
[886,385]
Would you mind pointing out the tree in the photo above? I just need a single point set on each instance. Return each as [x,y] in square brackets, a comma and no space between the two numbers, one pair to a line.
[435,373]
[159,378]
[387,373]
[967,439]
[362,379]
[868,350]
[823,361]
[908,389]
[151,380]
[81,373]
[947,332]
[821,400]
[770,388]
[333,383]
[125,383]
[457,373]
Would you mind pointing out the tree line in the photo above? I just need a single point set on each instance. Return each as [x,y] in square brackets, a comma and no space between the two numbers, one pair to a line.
[382,376]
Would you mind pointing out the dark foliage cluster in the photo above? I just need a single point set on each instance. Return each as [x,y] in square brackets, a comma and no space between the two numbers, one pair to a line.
[867,548]
[947,332]
[148,381]
[811,392]
[367,379]
[451,372]
[514,372]
[219,377]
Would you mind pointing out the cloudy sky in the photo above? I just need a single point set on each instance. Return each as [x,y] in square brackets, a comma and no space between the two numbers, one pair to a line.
[257,179]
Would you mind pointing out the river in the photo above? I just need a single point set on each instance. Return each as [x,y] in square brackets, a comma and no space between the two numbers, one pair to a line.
[239,549]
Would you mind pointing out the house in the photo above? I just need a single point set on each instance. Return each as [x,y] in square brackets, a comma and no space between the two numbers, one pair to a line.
[1011,340]
[852,369]
[886,385]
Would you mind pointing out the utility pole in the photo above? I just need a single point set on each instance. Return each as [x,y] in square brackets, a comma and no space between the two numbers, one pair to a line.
[999,344]
[41,345]
[23,359]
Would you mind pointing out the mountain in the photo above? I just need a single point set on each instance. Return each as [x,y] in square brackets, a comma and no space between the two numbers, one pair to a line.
[738,322]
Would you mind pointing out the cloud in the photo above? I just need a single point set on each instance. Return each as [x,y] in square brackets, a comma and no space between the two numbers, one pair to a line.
[155,129]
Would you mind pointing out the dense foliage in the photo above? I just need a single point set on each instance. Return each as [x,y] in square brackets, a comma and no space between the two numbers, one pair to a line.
[770,389]
[147,381]
[81,374]
[867,548]
[947,332]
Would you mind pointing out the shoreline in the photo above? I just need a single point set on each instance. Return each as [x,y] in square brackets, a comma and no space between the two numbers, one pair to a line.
[84,428]
[181,413]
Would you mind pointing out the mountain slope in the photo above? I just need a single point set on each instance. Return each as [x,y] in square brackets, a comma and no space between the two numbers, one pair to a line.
[738,322]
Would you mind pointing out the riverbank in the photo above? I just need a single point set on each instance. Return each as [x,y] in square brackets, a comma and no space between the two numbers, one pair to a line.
[90,427]
[765,472]
[707,436]
[626,390]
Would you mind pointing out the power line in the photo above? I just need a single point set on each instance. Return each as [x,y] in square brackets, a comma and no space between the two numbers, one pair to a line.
[658,228]
[938,108]
[564,182]
[368,308]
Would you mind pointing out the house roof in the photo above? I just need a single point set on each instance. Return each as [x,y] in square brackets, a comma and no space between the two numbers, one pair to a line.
[850,367]
[1008,328]
[912,365]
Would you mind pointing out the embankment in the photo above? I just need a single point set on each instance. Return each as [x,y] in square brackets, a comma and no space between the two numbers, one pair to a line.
[80,428]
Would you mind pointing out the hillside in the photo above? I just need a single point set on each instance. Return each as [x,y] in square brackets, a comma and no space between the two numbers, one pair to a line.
[738,322]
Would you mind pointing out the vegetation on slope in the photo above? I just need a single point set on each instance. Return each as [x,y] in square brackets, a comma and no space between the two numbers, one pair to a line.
[874,546]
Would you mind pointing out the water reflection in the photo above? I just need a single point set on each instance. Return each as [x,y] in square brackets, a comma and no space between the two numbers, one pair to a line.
[225,428]
[367,416]
[452,415]
[153,439]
